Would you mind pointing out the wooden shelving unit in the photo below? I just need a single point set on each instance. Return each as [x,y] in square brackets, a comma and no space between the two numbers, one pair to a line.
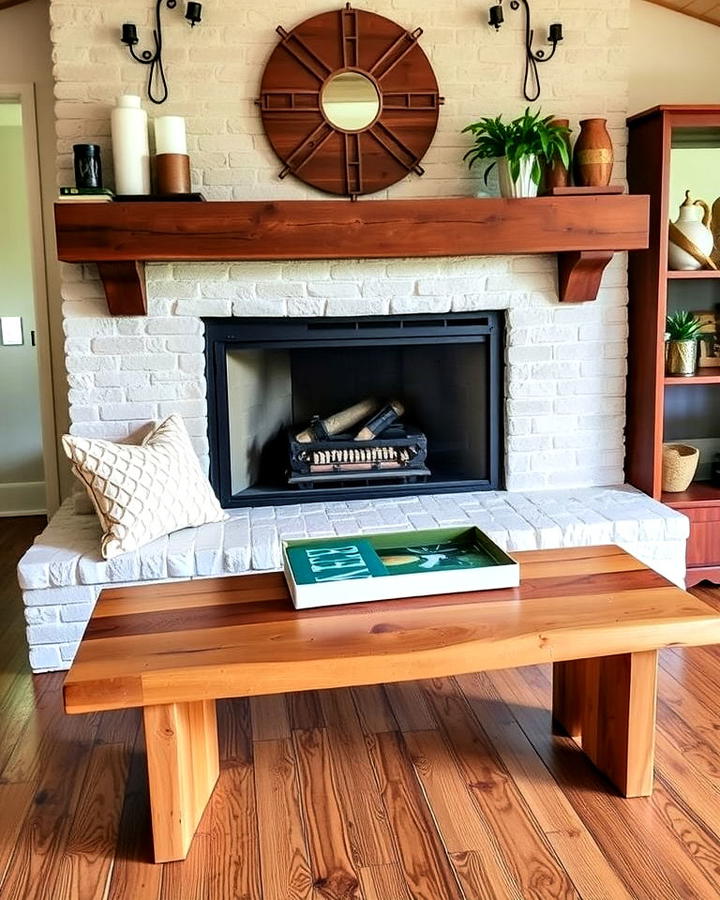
[710,375]
[660,406]
[584,231]
[702,275]
[700,493]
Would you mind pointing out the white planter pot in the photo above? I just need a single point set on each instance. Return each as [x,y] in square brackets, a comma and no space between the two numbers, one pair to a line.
[523,185]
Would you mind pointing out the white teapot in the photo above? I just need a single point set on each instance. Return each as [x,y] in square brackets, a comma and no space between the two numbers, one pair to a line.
[693,222]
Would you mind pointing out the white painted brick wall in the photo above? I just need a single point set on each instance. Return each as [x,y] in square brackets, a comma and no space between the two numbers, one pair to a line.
[563,380]
[566,365]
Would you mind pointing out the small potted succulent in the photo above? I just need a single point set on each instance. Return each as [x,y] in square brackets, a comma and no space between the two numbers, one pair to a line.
[682,330]
[521,149]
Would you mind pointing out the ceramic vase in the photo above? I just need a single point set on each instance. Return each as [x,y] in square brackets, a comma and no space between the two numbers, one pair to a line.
[88,166]
[523,185]
[557,173]
[693,224]
[593,155]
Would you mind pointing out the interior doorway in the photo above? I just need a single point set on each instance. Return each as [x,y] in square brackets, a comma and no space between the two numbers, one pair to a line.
[28,467]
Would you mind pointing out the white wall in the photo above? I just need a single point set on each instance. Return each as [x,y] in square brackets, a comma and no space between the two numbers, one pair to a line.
[673,58]
[26,58]
[696,170]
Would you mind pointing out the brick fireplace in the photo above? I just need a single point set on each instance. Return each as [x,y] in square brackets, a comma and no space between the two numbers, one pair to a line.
[564,365]
[562,392]
[563,404]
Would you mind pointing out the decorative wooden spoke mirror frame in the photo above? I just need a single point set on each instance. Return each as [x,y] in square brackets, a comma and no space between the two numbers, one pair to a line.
[402,102]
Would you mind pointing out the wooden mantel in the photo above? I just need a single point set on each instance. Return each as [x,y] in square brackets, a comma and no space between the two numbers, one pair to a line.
[584,231]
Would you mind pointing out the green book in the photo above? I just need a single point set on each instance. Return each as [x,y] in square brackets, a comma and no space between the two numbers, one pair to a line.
[85,192]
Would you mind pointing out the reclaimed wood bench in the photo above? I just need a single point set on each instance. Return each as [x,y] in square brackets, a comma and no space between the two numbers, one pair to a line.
[596,613]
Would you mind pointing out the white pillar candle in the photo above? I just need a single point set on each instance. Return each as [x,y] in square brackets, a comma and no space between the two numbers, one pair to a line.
[131,151]
[170,135]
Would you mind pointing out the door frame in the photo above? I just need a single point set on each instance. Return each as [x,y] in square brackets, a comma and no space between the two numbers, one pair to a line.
[24,94]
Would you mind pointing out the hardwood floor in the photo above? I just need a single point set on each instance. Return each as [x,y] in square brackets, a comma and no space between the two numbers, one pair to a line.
[453,789]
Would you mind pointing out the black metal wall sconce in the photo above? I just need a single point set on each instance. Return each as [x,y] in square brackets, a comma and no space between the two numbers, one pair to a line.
[156,75]
[531,80]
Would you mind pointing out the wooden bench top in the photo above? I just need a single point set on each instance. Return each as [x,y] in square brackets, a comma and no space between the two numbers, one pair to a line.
[240,636]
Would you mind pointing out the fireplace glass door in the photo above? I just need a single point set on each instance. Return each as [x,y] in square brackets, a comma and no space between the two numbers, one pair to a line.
[336,409]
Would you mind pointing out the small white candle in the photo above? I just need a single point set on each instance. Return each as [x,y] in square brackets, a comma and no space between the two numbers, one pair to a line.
[170,135]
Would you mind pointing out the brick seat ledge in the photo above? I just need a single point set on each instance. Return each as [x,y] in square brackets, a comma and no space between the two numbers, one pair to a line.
[62,574]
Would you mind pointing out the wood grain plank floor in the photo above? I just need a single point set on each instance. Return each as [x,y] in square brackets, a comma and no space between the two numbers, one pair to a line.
[451,789]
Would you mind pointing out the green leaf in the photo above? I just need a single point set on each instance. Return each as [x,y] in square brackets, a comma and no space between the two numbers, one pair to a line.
[536,173]
[564,154]
[683,326]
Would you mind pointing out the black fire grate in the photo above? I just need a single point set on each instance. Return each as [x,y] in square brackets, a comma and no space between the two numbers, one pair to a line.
[400,455]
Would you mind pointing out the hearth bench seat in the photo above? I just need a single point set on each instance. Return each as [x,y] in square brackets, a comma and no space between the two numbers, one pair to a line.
[62,574]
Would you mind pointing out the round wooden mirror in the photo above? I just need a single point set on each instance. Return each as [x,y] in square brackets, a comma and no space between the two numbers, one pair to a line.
[349,102]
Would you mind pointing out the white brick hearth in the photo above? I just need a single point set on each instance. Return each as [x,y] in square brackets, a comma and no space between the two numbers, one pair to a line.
[63,573]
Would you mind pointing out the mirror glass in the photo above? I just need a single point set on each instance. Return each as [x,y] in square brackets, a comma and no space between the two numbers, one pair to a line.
[350,101]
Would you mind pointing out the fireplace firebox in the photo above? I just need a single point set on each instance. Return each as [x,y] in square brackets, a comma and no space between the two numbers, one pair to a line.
[268,378]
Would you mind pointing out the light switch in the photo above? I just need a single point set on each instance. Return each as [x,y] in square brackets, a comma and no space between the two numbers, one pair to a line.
[11,331]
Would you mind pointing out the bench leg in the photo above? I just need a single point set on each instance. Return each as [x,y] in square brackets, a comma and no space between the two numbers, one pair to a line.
[608,705]
[183,766]
[567,705]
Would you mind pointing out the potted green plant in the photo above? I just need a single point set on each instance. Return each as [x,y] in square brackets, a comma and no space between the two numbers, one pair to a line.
[520,149]
[682,332]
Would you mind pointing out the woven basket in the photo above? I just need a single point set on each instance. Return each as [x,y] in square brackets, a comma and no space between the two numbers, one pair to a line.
[679,464]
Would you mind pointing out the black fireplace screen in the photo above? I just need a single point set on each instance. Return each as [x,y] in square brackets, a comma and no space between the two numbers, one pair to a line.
[337,408]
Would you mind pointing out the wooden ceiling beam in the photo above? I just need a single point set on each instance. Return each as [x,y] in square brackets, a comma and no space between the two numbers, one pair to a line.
[703,10]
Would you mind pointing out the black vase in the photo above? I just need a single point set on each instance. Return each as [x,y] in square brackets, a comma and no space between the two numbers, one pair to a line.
[88,166]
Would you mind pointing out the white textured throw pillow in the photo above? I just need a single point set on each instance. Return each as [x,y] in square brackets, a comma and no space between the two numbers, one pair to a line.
[144,492]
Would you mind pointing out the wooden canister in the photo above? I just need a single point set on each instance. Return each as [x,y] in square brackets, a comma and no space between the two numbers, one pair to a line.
[557,174]
[172,173]
[593,155]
